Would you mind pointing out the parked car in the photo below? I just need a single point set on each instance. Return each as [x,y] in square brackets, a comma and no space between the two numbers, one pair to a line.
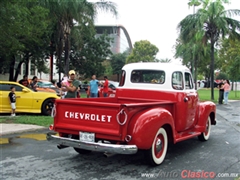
[207,84]
[48,86]
[29,101]
[112,85]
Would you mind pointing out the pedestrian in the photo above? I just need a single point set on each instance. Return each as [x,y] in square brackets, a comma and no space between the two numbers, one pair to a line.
[221,92]
[93,87]
[33,84]
[24,81]
[12,99]
[71,86]
[227,89]
[105,87]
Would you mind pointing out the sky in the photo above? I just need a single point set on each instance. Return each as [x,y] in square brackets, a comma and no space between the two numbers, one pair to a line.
[152,20]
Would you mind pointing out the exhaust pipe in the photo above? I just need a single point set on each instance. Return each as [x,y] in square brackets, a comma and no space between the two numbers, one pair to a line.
[107,155]
[61,146]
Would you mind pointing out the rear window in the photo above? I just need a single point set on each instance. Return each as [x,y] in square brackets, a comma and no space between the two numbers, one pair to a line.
[148,76]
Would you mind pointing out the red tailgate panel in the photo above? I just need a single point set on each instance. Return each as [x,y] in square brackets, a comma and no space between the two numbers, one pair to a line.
[87,117]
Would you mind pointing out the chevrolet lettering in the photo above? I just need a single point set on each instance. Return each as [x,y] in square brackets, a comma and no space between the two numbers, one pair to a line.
[145,114]
[87,116]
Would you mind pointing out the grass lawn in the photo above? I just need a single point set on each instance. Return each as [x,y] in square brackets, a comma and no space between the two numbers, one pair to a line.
[28,119]
[205,95]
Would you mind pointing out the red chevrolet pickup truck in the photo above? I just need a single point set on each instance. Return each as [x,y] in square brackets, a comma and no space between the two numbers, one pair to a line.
[154,105]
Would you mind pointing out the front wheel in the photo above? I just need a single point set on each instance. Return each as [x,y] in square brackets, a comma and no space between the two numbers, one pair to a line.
[156,154]
[205,135]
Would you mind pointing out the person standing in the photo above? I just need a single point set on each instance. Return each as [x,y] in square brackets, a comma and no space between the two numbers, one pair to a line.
[24,81]
[33,84]
[221,92]
[12,99]
[72,87]
[105,87]
[93,87]
[226,87]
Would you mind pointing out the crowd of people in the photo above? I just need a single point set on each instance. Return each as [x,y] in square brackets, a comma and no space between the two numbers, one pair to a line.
[70,86]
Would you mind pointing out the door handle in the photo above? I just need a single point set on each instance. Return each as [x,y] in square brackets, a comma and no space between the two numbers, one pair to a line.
[185,99]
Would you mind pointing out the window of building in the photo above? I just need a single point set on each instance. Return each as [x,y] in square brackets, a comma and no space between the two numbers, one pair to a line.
[24,68]
[33,69]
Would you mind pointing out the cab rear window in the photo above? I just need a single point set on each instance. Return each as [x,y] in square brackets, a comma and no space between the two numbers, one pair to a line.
[148,76]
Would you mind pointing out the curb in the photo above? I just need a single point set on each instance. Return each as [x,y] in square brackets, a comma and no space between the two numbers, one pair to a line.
[6,129]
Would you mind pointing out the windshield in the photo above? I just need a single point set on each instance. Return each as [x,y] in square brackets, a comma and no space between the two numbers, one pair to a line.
[116,84]
[45,84]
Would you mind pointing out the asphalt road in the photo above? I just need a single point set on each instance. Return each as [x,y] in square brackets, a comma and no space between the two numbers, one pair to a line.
[29,156]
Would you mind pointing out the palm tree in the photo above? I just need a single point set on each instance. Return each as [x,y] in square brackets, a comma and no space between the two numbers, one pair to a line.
[67,15]
[210,23]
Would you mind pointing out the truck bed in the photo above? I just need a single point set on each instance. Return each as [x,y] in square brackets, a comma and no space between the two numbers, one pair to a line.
[105,117]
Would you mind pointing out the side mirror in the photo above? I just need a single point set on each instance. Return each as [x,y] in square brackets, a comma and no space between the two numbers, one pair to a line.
[25,90]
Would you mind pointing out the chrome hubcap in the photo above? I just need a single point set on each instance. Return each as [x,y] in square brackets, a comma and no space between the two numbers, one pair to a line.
[159,145]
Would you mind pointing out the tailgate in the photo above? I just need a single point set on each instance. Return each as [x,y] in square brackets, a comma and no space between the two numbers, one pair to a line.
[87,116]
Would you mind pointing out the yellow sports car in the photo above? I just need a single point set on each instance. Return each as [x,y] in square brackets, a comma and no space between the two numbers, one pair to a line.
[27,100]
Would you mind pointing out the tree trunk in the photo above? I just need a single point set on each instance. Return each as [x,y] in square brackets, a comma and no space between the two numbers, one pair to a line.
[195,74]
[212,67]
[66,49]
[18,70]
[11,68]
[59,76]
[27,65]
[51,62]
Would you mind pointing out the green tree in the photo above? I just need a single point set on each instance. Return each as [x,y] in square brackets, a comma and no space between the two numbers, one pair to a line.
[117,62]
[88,59]
[166,60]
[211,22]
[41,67]
[229,58]
[143,51]
[67,14]
[23,25]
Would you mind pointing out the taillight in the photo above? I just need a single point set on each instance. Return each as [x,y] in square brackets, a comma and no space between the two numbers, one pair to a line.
[51,127]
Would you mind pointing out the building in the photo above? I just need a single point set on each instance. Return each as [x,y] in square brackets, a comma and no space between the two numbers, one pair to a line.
[121,38]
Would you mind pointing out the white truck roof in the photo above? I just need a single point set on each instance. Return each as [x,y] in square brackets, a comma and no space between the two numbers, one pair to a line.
[167,68]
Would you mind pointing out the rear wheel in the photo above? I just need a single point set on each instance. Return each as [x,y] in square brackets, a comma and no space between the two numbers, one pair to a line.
[205,135]
[82,151]
[156,154]
[47,107]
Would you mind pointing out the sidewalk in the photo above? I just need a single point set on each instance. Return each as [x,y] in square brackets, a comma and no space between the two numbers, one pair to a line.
[230,113]
[17,128]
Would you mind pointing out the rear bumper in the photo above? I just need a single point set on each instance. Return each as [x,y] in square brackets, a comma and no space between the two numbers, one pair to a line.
[93,146]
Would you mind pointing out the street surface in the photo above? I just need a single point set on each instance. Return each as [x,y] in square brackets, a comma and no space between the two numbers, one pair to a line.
[28,156]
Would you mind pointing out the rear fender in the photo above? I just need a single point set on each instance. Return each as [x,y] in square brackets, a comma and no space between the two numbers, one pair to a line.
[207,109]
[144,126]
